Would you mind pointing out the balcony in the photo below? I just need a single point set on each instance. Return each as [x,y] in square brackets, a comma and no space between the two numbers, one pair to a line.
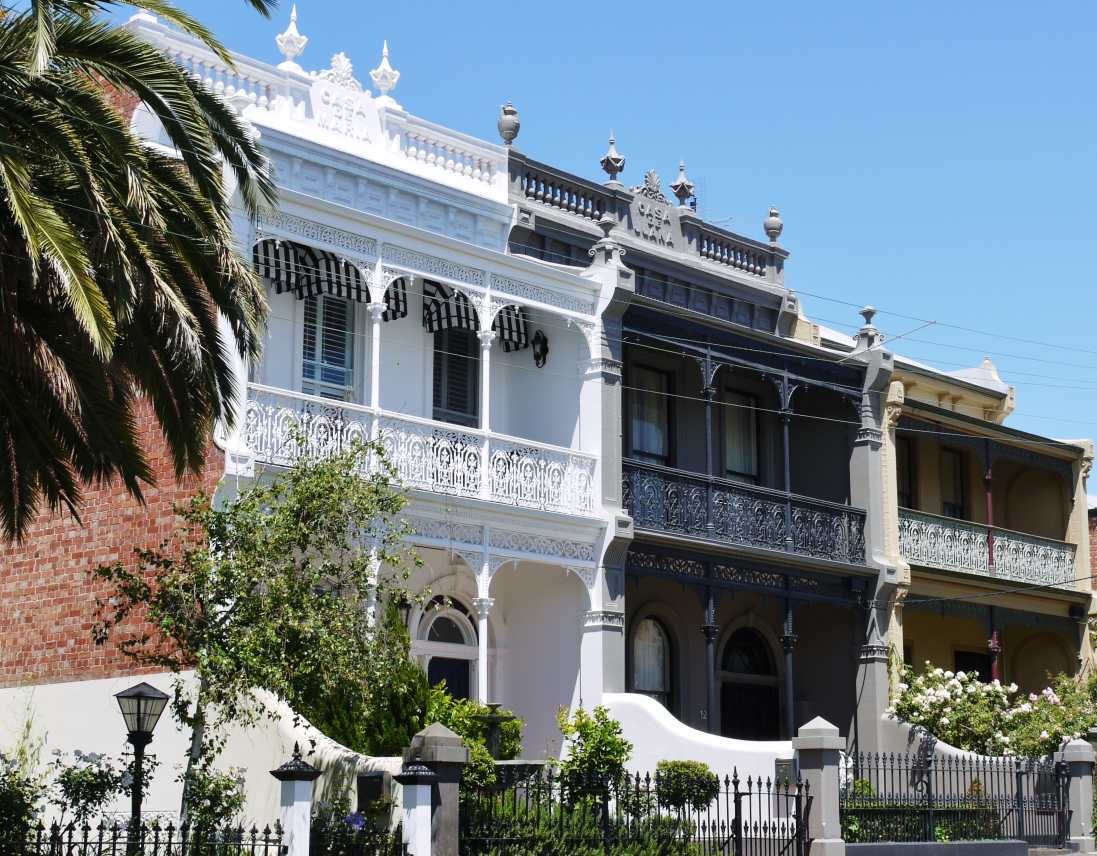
[427,455]
[676,502]
[985,551]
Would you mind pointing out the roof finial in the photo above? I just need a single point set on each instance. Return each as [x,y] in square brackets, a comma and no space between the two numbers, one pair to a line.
[612,162]
[509,123]
[682,187]
[773,225]
[291,43]
[385,77]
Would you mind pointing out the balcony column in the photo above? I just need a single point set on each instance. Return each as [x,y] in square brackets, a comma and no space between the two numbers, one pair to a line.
[785,392]
[486,337]
[376,310]
[988,491]
[709,392]
[374,576]
[711,631]
[788,645]
[483,610]
[994,645]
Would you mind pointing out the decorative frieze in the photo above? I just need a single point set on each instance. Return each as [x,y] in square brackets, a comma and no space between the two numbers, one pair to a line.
[538,294]
[525,542]
[278,224]
[422,263]
[605,618]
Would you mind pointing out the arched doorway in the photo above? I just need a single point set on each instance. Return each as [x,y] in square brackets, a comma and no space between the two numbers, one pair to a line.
[749,699]
[445,645]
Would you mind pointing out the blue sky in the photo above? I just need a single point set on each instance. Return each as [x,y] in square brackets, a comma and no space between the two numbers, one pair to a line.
[935,159]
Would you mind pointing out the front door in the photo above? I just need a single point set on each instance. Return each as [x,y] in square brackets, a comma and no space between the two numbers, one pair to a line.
[749,711]
[454,672]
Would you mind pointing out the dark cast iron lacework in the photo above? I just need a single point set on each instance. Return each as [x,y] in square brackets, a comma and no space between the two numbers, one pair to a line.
[661,499]
[923,797]
[551,812]
[115,839]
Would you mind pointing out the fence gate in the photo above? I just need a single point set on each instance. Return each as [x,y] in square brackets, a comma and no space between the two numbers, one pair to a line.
[897,797]
[549,813]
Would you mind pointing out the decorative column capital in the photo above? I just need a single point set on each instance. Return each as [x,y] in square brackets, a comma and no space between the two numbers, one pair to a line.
[486,337]
[483,606]
[789,642]
[376,310]
[710,631]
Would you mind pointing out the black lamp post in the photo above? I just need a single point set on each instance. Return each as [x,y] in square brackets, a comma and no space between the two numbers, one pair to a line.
[141,707]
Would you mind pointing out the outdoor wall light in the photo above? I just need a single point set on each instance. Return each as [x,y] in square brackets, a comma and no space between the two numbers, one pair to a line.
[540,348]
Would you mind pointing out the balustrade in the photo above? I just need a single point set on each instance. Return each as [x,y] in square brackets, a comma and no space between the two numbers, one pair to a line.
[666,500]
[426,455]
[965,547]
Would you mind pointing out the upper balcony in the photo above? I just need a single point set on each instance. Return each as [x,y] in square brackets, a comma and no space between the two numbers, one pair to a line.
[981,507]
[724,450]
[473,379]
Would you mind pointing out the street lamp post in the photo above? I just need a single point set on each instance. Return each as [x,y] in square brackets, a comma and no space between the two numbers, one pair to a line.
[141,706]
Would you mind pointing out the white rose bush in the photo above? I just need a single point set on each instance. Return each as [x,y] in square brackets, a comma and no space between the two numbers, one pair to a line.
[994,718]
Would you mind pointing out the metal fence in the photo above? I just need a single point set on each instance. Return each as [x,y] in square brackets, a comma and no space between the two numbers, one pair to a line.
[114,839]
[898,797]
[345,840]
[549,813]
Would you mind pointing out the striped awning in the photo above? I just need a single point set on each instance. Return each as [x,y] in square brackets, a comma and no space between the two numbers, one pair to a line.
[512,328]
[306,271]
[445,308]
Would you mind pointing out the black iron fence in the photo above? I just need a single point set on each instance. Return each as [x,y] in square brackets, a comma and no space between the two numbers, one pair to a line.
[348,840]
[898,797]
[115,839]
[552,815]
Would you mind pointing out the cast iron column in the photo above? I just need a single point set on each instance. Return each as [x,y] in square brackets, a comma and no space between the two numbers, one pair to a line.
[788,645]
[994,645]
[988,489]
[709,392]
[786,418]
[710,630]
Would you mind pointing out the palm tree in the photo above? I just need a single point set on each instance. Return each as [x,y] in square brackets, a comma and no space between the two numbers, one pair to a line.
[117,259]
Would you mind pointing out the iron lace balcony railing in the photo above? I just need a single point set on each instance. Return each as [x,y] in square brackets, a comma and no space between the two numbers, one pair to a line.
[662,499]
[427,455]
[988,551]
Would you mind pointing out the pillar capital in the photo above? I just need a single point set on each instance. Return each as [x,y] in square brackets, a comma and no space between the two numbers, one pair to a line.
[376,310]
[483,606]
[710,631]
[486,337]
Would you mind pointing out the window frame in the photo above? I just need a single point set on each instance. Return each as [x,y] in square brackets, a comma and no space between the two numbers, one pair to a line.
[734,475]
[441,349]
[669,377]
[911,483]
[959,510]
[669,693]
[316,386]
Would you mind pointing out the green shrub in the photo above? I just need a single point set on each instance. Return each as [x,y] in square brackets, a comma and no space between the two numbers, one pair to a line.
[596,750]
[685,784]
[458,715]
[20,798]
[215,799]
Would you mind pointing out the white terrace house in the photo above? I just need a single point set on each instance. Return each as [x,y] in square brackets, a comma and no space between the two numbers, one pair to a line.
[397,312]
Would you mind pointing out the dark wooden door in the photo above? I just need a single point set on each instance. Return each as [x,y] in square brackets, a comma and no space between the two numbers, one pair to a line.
[749,711]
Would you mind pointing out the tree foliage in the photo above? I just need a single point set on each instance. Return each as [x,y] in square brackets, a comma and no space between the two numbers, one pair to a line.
[117,260]
[273,590]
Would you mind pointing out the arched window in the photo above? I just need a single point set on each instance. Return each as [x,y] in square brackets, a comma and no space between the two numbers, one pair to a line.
[651,660]
[746,653]
[749,702]
[445,644]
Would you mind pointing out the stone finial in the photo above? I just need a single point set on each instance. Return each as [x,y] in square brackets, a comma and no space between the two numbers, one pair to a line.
[385,77]
[773,225]
[509,124]
[291,43]
[682,187]
[612,162]
[868,313]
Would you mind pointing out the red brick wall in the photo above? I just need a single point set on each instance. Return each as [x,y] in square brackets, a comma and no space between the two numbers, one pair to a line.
[47,598]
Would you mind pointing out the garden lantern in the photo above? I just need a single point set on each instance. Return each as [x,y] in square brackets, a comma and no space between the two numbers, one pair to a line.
[141,706]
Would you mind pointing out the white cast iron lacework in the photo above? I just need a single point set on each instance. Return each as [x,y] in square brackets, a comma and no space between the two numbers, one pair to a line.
[957,545]
[413,260]
[538,294]
[278,221]
[427,455]
[525,542]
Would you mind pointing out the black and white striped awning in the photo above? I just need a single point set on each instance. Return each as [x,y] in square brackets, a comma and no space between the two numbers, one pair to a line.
[512,327]
[305,271]
[446,308]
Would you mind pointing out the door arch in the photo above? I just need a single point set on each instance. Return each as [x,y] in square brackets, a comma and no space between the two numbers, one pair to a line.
[445,644]
[750,703]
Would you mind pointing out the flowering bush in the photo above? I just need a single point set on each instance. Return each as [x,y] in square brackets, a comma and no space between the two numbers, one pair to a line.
[994,719]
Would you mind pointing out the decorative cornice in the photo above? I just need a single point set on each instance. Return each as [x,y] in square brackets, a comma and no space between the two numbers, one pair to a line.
[545,545]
